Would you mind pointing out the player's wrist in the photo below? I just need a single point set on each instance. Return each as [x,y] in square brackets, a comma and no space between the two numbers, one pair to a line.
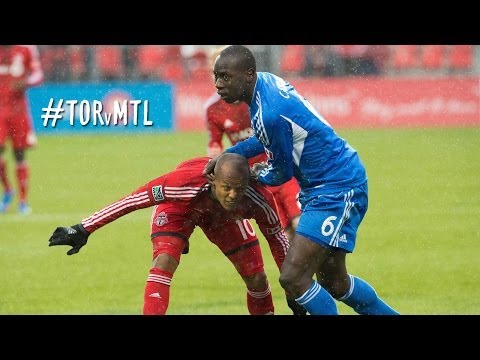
[81,229]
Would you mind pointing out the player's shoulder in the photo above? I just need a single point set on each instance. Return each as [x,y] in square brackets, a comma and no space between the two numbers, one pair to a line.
[197,162]
[272,82]
[266,80]
[273,89]
[189,173]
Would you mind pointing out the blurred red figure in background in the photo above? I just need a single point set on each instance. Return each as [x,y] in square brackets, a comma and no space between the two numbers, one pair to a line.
[20,68]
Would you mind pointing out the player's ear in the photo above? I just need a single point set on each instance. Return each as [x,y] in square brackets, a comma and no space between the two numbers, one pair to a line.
[250,75]
[210,179]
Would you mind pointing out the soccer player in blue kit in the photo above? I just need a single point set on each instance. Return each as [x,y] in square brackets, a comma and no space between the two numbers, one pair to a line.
[299,142]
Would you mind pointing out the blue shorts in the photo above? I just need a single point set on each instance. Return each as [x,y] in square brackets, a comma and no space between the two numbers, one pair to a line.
[332,220]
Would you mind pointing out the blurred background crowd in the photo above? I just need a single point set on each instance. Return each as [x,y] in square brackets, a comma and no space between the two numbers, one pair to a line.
[72,63]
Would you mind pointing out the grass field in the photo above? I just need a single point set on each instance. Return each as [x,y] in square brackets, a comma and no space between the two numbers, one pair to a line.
[418,245]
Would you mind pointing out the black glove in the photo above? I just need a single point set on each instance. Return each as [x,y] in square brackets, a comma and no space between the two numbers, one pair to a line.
[296,307]
[76,236]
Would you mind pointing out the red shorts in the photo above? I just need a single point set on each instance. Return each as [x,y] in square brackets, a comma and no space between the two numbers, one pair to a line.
[17,126]
[171,229]
[286,198]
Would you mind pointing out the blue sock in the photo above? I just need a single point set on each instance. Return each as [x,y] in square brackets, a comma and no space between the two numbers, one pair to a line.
[318,301]
[364,300]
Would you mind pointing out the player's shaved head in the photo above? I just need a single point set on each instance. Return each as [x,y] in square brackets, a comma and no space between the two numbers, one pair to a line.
[240,56]
[216,53]
[232,175]
[232,164]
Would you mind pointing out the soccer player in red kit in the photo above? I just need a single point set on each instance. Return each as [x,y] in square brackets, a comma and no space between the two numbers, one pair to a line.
[183,199]
[20,68]
[233,120]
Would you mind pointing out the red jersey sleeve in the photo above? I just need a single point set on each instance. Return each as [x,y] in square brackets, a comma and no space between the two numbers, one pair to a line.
[138,199]
[182,184]
[268,221]
[215,129]
[35,74]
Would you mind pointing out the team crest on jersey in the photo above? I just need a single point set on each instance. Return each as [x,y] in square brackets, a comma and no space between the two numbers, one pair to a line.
[157,193]
[161,219]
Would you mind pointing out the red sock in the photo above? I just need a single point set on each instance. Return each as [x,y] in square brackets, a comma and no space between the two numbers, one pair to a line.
[22,179]
[157,292]
[260,302]
[3,175]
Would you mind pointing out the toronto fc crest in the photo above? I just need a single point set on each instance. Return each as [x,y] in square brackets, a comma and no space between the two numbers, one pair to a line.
[161,219]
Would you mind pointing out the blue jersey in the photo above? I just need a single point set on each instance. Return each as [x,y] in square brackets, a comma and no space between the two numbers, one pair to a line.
[298,141]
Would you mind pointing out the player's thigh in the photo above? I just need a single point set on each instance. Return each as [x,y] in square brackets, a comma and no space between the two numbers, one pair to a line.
[332,273]
[332,220]
[170,230]
[239,243]
[303,257]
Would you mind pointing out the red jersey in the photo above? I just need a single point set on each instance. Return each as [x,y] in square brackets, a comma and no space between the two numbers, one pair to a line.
[230,119]
[188,193]
[18,62]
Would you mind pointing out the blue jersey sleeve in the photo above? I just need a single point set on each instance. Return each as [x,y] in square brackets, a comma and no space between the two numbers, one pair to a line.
[249,147]
[280,138]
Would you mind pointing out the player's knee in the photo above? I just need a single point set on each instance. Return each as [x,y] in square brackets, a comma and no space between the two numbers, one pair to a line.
[289,280]
[165,262]
[256,282]
[294,223]
[19,155]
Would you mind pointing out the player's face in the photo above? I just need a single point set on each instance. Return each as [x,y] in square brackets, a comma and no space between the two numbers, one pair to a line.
[229,191]
[231,83]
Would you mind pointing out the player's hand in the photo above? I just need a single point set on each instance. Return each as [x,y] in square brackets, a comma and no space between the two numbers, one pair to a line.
[257,168]
[75,236]
[18,84]
[297,309]
[208,170]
